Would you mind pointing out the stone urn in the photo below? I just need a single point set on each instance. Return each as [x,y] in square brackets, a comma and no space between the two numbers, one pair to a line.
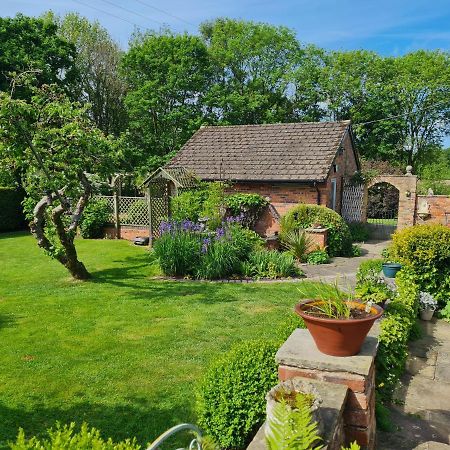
[288,391]
[426,314]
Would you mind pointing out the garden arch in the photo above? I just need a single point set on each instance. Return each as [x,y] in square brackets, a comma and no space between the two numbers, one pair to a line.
[407,196]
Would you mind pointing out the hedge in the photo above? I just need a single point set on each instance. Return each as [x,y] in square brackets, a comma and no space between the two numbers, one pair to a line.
[396,328]
[11,212]
[425,250]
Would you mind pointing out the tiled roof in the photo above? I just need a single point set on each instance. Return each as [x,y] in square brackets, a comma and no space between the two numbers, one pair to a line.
[275,152]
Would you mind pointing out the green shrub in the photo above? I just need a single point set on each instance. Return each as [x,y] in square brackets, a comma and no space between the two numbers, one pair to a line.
[11,213]
[368,267]
[425,249]
[356,250]
[95,216]
[67,438]
[318,257]
[245,240]
[270,264]
[188,205]
[304,216]
[249,206]
[370,285]
[396,328]
[359,231]
[231,397]
[178,251]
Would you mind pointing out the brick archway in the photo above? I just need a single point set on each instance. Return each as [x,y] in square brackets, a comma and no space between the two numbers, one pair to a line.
[407,187]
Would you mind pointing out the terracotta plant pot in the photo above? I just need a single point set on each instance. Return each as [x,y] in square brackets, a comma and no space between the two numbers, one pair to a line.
[338,337]
[426,314]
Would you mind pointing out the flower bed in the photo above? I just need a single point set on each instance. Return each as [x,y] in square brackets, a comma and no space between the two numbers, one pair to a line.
[189,249]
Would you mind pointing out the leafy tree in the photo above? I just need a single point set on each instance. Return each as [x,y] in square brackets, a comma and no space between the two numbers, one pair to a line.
[168,76]
[253,63]
[97,61]
[413,90]
[56,145]
[28,43]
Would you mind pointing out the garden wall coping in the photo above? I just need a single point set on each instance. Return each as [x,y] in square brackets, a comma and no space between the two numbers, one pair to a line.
[300,350]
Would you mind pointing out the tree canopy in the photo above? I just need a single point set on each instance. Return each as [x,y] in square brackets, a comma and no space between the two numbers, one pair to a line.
[32,44]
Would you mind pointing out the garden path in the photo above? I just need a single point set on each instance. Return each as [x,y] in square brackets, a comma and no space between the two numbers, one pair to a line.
[422,411]
[344,269]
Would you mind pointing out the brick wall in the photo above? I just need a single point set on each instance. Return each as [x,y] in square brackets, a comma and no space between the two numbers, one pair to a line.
[436,206]
[126,232]
[282,197]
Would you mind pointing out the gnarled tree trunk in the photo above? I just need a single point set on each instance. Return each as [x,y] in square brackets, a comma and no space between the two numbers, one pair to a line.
[69,257]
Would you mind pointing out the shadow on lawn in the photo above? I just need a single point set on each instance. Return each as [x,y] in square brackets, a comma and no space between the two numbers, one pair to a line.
[131,273]
[7,321]
[138,418]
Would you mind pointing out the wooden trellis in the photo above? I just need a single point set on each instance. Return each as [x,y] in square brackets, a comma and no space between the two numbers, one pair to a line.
[161,185]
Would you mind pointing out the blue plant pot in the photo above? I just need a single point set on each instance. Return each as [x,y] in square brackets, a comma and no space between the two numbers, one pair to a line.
[390,269]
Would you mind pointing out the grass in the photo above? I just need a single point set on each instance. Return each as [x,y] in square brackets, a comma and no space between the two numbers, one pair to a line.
[383,221]
[122,351]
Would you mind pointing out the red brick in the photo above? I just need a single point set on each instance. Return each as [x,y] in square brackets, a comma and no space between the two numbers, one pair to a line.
[356,383]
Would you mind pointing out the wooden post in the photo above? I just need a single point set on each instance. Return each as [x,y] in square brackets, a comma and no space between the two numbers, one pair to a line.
[116,199]
[150,228]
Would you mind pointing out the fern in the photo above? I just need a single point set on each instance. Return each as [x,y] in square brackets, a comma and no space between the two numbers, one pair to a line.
[292,429]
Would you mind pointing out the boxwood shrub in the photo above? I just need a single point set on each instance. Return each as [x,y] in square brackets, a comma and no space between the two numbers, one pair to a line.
[11,212]
[425,250]
[231,397]
[304,216]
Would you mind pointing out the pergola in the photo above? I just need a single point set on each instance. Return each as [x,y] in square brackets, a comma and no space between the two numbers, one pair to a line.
[161,185]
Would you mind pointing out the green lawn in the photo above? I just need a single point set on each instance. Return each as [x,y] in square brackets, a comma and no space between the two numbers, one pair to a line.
[122,351]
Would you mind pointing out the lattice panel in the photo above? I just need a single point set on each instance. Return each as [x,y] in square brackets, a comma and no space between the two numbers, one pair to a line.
[133,211]
[352,202]
[160,212]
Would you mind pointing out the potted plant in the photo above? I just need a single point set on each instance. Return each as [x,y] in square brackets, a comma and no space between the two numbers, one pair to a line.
[390,266]
[337,323]
[427,305]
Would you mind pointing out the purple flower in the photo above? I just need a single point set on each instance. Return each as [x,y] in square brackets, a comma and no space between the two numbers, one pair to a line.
[205,244]
[220,233]
[165,227]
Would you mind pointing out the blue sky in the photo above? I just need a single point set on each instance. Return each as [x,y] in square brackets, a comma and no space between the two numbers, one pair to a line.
[390,27]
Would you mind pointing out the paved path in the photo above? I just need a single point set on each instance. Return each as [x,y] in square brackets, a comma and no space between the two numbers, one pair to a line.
[344,269]
[423,410]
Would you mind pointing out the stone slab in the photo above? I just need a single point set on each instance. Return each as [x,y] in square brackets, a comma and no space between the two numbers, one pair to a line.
[301,351]
[443,372]
[432,446]
[332,408]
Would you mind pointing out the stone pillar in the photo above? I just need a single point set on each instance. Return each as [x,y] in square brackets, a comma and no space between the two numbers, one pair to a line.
[299,357]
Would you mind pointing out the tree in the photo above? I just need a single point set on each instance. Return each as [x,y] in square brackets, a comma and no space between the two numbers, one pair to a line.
[168,76]
[253,66]
[400,106]
[97,61]
[56,145]
[29,43]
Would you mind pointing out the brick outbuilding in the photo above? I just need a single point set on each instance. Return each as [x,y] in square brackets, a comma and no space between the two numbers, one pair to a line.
[289,163]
